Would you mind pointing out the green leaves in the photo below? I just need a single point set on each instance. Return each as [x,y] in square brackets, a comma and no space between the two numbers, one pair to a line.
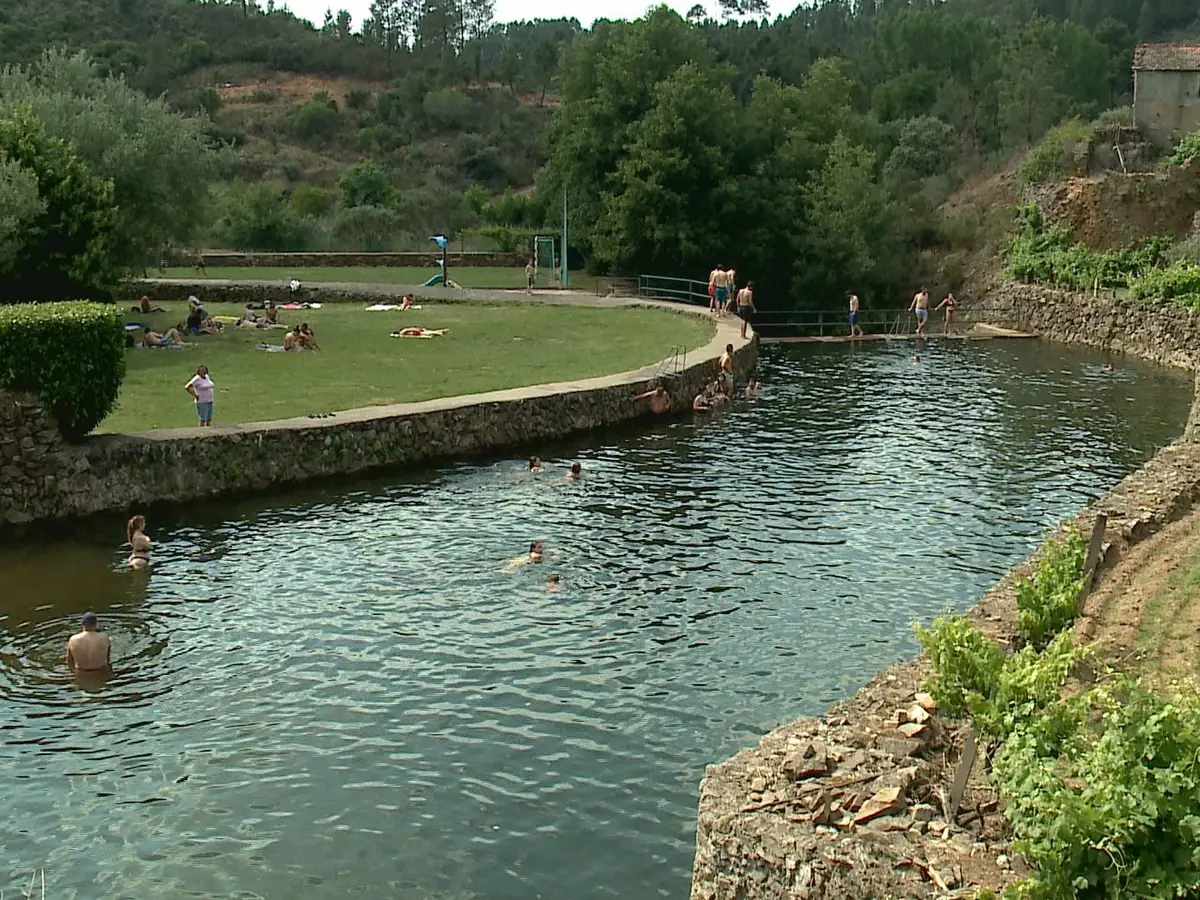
[1050,601]
[71,353]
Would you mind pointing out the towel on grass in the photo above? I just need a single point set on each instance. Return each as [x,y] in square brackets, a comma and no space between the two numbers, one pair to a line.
[382,307]
[272,348]
[300,306]
[226,320]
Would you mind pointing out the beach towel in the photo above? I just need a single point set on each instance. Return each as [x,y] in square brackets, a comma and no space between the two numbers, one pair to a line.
[382,307]
[300,306]
[226,320]
[137,326]
[271,348]
[425,333]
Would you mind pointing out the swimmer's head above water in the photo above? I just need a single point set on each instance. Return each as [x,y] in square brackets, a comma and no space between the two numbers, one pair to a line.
[535,464]
[535,551]
[90,622]
[576,470]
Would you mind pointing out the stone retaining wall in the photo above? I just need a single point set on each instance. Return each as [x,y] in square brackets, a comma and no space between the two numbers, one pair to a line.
[851,804]
[42,477]
[429,260]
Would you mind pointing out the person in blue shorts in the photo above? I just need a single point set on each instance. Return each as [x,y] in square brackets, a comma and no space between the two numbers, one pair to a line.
[855,329]
[920,306]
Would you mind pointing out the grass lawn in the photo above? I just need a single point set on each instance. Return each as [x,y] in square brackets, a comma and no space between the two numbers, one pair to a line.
[488,348]
[467,276]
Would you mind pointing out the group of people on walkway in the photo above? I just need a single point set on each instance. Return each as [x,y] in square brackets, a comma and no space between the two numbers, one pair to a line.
[724,296]
[919,307]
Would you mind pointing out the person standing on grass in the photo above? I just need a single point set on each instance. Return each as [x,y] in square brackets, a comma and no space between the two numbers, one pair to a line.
[201,388]
[745,306]
[949,305]
[920,306]
[855,328]
[529,273]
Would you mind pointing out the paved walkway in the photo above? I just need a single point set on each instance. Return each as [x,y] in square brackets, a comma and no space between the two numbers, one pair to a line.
[488,295]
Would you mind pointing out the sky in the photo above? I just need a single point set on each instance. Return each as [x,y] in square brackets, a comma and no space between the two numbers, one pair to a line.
[586,11]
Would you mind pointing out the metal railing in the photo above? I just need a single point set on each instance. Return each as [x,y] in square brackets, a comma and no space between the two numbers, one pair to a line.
[835,322]
[674,363]
[680,290]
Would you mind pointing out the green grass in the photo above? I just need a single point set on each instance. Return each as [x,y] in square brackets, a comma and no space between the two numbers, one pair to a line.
[488,348]
[467,276]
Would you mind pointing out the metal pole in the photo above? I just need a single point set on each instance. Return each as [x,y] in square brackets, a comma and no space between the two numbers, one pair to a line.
[565,278]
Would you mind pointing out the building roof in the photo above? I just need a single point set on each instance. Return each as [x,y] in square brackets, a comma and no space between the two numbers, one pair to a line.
[1168,57]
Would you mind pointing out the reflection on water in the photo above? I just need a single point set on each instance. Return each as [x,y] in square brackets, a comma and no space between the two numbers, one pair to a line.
[340,693]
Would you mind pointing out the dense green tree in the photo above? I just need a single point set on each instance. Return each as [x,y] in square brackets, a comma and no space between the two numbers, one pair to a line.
[61,249]
[365,184]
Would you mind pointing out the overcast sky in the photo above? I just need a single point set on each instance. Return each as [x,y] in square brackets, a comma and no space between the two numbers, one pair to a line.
[586,11]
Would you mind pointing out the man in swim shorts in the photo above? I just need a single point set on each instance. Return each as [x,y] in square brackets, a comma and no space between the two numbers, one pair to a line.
[920,306]
[89,651]
[745,306]
[660,401]
[726,371]
[855,330]
[716,281]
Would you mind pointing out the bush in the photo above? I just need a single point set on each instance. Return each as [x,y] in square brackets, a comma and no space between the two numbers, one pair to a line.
[1050,601]
[1122,115]
[1187,149]
[358,98]
[1047,161]
[959,231]
[206,99]
[966,663]
[71,354]
[1179,282]
[368,228]
[311,201]
[314,121]
[365,185]
[256,217]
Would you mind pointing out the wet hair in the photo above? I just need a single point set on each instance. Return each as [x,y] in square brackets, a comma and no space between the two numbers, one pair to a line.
[554,578]
[535,546]
[729,348]
[133,526]
[534,462]
[576,468]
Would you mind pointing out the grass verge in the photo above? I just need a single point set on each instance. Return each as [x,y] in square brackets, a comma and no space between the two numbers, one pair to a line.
[488,348]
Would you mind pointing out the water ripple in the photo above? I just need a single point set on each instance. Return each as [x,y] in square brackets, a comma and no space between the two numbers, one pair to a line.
[340,692]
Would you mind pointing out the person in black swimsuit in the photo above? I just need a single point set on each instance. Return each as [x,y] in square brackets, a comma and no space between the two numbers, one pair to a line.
[948,304]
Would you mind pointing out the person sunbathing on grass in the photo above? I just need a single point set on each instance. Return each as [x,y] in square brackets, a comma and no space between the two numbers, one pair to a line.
[406,301]
[418,331]
[271,313]
[291,341]
[169,338]
[147,307]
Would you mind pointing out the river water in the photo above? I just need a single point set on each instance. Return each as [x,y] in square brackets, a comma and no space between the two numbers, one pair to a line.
[337,692]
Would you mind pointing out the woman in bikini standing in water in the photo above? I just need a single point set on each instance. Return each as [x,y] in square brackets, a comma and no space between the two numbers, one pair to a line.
[139,544]
[948,304]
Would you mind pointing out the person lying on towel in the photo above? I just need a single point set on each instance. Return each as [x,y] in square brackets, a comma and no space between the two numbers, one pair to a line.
[419,332]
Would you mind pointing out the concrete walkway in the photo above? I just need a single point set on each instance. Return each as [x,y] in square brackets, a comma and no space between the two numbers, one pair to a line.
[432,294]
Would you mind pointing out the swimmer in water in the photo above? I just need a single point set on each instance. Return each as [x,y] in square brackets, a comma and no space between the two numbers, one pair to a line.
[534,556]
[576,472]
[752,387]
[535,465]
[553,583]
[660,401]
[1108,367]
[90,650]
[139,544]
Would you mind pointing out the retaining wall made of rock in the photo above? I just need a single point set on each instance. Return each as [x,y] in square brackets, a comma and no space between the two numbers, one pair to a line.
[853,804]
[43,477]
[419,260]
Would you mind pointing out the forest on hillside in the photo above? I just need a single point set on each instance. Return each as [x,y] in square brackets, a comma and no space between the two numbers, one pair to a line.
[811,150]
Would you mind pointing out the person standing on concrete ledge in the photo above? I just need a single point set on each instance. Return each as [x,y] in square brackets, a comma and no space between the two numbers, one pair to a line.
[89,651]
[949,304]
[855,328]
[745,306]
[920,306]
[660,401]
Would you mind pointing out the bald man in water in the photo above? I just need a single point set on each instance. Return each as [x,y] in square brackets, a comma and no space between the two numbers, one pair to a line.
[90,650]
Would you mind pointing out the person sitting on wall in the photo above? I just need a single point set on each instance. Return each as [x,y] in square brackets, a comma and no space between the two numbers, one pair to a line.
[169,338]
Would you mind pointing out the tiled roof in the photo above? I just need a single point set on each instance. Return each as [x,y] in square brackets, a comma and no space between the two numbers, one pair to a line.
[1168,57]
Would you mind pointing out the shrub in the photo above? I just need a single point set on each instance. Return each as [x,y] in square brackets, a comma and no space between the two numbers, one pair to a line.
[72,354]
[357,98]
[314,121]
[206,99]
[1049,602]
[959,231]
[263,95]
[1028,683]
[365,185]
[1187,149]
[1122,115]
[256,217]
[1047,161]
[307,200]
[1179,282]
[367,228]
[966,663]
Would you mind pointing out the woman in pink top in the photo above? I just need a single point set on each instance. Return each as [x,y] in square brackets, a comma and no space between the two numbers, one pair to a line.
[201,388]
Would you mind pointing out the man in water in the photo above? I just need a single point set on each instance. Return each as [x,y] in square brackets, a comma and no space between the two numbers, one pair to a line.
[855,329]
[726,370]
[920,305]
[90,650]
[745,306]
[752,387]
[660,401]
[700,402]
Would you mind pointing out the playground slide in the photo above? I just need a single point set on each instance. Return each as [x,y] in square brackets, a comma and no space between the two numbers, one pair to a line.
[436,279]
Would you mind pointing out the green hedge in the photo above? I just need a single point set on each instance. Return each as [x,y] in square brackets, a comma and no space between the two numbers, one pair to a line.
[71,354]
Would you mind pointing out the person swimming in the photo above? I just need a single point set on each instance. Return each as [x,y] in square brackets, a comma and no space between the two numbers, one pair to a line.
[536,551]
[576,472]
[535,465]
[553,583]
[139,544]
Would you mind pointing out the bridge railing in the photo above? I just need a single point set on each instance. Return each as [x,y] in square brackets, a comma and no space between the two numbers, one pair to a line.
[835,322]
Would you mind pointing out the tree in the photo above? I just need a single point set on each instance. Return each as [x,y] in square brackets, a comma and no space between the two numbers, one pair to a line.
[62,250]
[160,163]
[697,14]
[365,184]
[926,147]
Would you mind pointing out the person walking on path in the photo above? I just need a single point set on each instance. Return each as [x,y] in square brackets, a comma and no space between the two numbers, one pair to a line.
[716,289]
[90,650]
[745,306]
[855,329]
[949,304]
[920,306]
[202,389]
[529,273]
